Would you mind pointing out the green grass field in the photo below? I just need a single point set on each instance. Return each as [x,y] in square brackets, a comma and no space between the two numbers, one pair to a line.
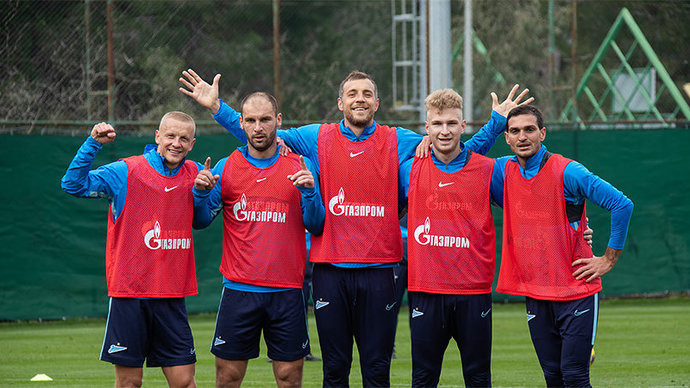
[639,343]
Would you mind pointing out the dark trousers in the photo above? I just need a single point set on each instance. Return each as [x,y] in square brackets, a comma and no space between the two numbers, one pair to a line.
[434,320]
[563,335]
[355,304]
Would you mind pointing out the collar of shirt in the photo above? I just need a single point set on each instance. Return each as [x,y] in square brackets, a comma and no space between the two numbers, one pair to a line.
[533,162]
[158,162]
[259,162]
[349,135]
[456,164]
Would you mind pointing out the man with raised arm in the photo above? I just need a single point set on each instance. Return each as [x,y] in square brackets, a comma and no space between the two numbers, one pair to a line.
[267,200]
[545,257]
[357,161]
[149,250]
[451,248]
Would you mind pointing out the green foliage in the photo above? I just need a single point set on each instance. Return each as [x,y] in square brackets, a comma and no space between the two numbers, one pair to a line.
[639,343]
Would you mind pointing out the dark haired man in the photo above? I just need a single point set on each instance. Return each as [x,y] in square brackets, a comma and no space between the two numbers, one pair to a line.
[357,164]
[267,200]
[545,257]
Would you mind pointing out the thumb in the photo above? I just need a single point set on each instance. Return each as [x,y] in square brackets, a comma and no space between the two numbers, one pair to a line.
[215,80]
[494,99]
[302,165]
[207,164]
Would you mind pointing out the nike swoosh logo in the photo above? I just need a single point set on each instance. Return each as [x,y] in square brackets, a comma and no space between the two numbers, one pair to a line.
[304,345]
[115,349]
[578,313]
[352,154]
[260,180]
[170,188]
[485,313]
[530,317]
[390,306]
[441,184]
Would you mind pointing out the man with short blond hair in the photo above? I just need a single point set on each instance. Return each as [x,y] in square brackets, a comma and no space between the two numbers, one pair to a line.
[451,247]
[149,250]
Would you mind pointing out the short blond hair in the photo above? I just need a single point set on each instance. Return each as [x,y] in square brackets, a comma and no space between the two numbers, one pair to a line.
[443,99]
[179,116]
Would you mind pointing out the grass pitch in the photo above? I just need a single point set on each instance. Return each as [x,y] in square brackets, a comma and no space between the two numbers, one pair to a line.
[639,343]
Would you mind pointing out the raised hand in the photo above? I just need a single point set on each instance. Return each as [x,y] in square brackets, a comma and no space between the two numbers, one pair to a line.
[508,104]
[303,177]
[205,180]
[103,133]
[206,95]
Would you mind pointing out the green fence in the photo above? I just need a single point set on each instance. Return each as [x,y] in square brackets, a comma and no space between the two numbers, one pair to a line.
[52,244]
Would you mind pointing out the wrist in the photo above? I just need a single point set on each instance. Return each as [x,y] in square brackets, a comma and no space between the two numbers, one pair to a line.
[215,106]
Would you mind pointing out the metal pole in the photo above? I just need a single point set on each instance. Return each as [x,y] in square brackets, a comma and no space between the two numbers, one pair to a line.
[573,55]
[276,50]
[87,54]
[552,60]
[467,65]
[111,65]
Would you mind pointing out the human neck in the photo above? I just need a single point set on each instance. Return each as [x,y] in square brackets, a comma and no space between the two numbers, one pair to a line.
[448,157]
[265,154]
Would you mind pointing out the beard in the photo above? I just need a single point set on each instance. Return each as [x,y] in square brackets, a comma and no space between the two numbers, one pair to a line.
[269,140]
[359,121]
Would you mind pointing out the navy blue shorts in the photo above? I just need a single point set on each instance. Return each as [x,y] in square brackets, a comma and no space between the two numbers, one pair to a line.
[155,330]
[434,320]
[563,336]
[243,315]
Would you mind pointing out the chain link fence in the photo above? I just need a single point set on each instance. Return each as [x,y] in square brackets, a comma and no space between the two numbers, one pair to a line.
[54,55]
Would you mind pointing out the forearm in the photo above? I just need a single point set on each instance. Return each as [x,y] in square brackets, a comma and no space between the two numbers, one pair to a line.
[485,138]
[313,211]
[80,181]
[230,120]
[303,140]
[205,209]
[620,222]
[407,144]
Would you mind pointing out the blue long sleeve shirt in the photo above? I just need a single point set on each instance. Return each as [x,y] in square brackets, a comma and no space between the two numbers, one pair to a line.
[304,140]
[578,184]
[313,211]
[110,181]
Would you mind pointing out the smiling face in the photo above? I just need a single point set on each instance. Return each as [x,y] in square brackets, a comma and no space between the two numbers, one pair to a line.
[524,136]
[444,127]
[358,103]
[175,138]
[260,123]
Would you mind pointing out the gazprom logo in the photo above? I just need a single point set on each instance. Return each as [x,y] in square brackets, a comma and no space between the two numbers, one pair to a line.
[423,237]
[153,240]
[338,207]
[242,214]
[240,208]
[335,205]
